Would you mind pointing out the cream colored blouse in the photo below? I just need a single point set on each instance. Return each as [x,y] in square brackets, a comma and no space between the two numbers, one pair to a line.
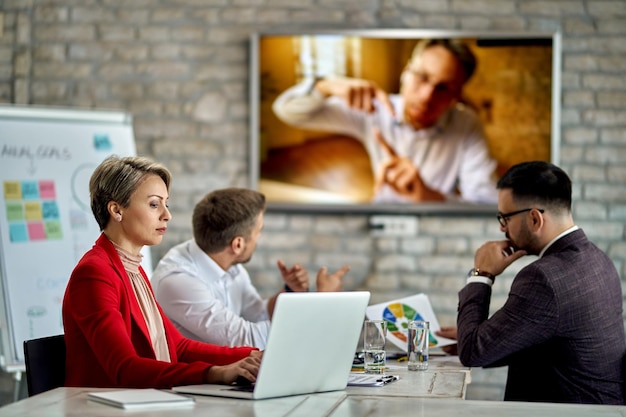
[147,303]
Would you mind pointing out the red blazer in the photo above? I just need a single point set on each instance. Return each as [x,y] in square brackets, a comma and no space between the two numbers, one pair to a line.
[107,339]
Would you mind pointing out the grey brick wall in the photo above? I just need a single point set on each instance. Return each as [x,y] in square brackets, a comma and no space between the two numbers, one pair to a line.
[181,68]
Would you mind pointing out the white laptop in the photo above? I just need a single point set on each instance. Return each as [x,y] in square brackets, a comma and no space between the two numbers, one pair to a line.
[310,347]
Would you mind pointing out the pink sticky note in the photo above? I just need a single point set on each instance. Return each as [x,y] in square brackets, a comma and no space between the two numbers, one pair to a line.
[36,231]
[46,189]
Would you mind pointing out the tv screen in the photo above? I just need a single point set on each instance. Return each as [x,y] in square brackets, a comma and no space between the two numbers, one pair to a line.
[398,120]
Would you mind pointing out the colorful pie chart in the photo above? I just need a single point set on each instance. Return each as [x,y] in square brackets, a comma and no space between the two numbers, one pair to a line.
[398,316]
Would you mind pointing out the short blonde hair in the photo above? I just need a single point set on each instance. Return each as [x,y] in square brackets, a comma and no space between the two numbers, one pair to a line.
[116,179]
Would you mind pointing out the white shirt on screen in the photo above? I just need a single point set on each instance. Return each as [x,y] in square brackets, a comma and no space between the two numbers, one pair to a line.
[452,155]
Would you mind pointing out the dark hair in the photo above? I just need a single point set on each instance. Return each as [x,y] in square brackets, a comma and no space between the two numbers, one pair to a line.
[224,214]
[539,183]
[116,179]
[456,47]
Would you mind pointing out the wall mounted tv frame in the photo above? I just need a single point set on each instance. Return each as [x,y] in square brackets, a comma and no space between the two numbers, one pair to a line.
[514,92]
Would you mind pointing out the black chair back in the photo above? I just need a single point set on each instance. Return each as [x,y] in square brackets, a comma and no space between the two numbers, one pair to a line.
[45,363]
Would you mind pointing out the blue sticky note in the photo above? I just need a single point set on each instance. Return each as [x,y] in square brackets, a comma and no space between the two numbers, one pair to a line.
[50,210]
[30,190]
[18,232]
[101,142]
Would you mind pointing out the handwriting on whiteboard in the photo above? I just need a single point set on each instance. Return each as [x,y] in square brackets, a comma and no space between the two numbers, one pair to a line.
[40,152]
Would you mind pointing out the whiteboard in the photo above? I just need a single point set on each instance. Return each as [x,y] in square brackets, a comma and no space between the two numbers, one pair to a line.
[47,156]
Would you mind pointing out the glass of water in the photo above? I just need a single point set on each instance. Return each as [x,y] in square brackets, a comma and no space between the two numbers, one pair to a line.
[417,349]
[374,339]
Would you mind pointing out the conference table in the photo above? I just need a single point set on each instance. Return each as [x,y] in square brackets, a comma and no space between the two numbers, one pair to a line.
[445,378]
[439,391]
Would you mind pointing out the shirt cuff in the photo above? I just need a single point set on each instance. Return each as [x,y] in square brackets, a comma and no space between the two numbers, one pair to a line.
[483,280]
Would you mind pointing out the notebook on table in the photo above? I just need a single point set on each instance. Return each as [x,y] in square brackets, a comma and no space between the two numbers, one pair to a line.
[140,399]
[310,347]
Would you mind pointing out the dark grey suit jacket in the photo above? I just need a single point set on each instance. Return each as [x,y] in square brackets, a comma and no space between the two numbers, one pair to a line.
[560,331]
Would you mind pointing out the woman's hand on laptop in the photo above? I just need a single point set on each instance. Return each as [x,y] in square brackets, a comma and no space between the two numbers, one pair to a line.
[246,368]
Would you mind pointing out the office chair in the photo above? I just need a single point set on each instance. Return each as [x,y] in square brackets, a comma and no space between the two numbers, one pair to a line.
[45,363]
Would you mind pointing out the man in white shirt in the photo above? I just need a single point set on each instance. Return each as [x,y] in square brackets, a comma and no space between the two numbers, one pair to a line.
[202,285]
[423,144]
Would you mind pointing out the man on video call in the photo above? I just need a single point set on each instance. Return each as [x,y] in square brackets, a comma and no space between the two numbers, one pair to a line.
[424,145]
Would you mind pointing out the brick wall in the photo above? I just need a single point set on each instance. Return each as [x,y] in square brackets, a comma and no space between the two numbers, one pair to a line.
[181,68]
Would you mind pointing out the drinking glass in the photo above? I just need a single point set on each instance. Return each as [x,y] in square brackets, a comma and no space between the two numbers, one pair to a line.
[374,339]
[418,335]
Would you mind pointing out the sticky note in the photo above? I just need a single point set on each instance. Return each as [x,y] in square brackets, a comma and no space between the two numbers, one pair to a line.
[101,142]
[30,190]
[12,190]
[47,190]
[15,211]
[18,232]
[53,230]
[36,231]
[50,210]
[33,210]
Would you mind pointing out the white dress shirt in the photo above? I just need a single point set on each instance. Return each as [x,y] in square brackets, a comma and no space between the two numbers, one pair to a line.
[207,303]
[451,155]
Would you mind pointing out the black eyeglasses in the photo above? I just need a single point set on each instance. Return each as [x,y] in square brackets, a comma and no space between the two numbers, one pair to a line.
[503,218]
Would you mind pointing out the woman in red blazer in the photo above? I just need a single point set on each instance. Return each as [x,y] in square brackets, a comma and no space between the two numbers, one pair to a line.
[116,334]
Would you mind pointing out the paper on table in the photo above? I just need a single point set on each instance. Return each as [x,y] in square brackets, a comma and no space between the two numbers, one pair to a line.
[399,312]
[134,399]
[369,380]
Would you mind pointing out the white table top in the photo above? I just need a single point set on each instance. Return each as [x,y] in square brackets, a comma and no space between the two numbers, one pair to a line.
[72,402]
[436,392]
[445,378]
[355,406]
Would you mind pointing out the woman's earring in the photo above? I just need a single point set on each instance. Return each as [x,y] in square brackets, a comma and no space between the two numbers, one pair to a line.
[119,218]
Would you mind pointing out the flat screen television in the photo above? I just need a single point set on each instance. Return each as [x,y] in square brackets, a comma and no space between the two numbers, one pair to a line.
[514,91]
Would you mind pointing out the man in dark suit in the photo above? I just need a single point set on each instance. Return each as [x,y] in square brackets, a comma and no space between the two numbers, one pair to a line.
[560,331]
